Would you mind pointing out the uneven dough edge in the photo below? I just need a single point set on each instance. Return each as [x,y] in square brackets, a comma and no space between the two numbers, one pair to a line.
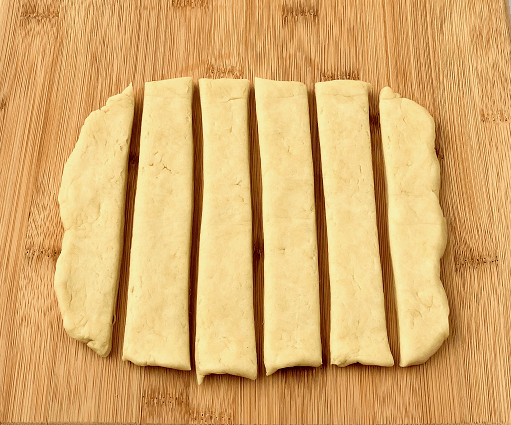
[421,331]
[119,109]
[225,329]
[157,328]
[358,332]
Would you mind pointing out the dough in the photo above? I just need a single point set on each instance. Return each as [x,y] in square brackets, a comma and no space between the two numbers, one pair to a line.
[358,331]
[225,334]
[291,279]
[156,331]
[417,228]
[92,196]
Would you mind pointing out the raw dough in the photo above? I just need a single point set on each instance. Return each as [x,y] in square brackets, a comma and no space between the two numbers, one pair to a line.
[291,279]
[417,228]
[92,196]
[225,334]
[358,331]
[157,314]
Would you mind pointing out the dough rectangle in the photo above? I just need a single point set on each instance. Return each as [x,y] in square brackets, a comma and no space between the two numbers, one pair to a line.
[358,331]
[417,228]
[225,331]
[157,332]
[291,278]
[92,197]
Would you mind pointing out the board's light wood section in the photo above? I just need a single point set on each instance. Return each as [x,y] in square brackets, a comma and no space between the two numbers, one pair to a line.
[156,332]
[417,227]
[60,60]
[91,197]
[225,334]
[291,277]
[358,330]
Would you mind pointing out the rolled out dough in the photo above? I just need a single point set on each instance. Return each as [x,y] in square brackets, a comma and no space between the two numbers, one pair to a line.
[157,314]
[291,279]
[358,331]
[91,197]
[225,334]
[417,228]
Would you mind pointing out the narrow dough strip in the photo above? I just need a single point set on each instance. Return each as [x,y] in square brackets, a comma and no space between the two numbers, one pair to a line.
[291,279]
[225,334]
[92,197]
[358,331]
[156,331]
[417,228]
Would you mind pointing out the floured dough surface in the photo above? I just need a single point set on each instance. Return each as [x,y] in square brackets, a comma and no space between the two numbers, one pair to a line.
[358,331]
[417,228]
[291,279]
[225,334]
[92,197]
[157,330]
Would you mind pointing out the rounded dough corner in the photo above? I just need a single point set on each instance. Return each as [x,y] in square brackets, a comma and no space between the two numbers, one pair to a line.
[387,94]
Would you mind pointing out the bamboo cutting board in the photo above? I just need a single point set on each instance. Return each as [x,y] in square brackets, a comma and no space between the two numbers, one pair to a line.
[61,59]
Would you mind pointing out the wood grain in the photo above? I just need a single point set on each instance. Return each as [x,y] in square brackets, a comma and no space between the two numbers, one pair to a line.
[60,59]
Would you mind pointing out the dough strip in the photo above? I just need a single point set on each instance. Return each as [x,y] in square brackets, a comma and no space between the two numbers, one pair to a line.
[156,331]
[358,331]
[417,228]
[291,279]
[225,334]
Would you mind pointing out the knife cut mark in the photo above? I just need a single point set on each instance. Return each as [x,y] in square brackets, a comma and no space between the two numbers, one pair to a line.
[462,261]
[165,399]
[499,116]
[35,252]
[210,417]
[190,3]
[294,12]
[344,75]
[215,71]
[31,12]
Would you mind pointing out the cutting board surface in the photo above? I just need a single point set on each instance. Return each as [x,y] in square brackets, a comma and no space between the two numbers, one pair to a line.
[59,60]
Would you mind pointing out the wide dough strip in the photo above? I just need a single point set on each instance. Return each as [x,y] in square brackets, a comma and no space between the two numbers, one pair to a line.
[225,334]
[92,197]
[358,331]
[157,330]
[291,279]
[417,228]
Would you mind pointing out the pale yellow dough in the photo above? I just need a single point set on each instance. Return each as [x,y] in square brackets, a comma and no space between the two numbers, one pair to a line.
[157,314]
[225,334]
[291,280]
[92,196]
[358,331]
[417,228]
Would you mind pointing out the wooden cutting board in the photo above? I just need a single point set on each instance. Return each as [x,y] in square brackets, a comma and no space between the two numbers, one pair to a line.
[61,59]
